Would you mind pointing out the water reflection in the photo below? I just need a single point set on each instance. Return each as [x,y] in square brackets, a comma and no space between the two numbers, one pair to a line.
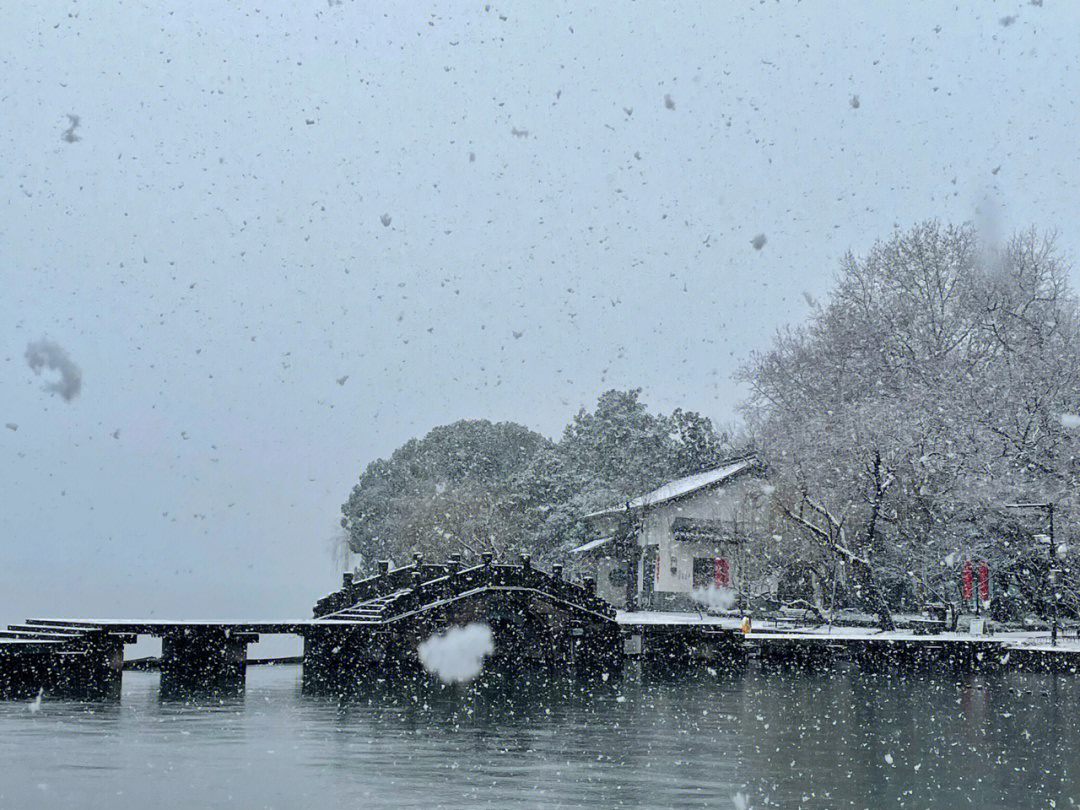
[784,739]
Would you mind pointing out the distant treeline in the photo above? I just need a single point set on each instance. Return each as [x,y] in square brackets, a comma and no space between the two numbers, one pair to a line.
[475,486]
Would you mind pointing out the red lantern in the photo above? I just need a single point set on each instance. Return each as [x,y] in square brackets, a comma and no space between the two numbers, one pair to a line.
[965,579]
[984,581]
[721,572]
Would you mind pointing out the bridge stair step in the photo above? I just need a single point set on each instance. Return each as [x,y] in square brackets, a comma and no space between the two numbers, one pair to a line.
[370,610]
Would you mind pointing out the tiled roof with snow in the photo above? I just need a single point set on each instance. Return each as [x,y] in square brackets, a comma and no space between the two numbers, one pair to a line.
[680,487]
[600,541]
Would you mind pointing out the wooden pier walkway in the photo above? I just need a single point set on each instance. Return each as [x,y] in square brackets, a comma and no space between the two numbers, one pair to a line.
[659,635]
[373,627]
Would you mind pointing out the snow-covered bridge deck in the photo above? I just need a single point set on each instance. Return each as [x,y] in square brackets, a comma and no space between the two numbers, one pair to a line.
[162,627]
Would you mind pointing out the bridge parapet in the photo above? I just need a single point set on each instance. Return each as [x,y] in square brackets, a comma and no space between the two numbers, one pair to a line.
[536,619]
[499,576]
[385,582]
[415,587]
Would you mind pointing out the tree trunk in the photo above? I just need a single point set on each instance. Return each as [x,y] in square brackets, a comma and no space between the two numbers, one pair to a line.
[862,570]
[864,576]
[832,538]
[633,559]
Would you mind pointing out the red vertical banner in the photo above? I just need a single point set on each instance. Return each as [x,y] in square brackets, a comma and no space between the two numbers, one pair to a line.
[656,578]
[965,580]
[721,572]
[984,581]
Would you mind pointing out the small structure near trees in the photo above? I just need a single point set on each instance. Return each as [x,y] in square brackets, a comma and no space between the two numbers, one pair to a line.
[678,546]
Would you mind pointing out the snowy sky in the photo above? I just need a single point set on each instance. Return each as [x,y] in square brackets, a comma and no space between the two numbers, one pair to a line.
[572,196]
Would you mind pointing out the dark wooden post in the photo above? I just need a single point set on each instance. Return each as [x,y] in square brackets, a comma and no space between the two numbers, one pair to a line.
[455,563]
[557,570]
[487,557]
[633,561]
[526,562]
[1052,576]
[346,580]
[384,567]
[590,586]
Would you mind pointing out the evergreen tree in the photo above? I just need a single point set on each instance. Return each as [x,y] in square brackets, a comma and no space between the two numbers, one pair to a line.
[473,486]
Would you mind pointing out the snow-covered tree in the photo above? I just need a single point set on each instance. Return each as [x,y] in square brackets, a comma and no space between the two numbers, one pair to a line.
[474,486]
[927,393]
[611,454]
[441,494]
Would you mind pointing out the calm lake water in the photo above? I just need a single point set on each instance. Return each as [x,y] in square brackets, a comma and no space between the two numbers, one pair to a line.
[781,740]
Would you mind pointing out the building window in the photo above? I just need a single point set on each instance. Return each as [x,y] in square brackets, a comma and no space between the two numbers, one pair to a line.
[698,530]
[715,571]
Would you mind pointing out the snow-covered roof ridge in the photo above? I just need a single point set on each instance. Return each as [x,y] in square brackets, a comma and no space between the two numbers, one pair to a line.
[600,541]
[681,487]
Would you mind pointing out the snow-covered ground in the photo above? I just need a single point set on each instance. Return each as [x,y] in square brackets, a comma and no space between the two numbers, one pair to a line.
[1026,639]
[661,617]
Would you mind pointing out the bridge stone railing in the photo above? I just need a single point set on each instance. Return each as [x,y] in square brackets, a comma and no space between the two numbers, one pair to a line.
[455,581]
[385,582]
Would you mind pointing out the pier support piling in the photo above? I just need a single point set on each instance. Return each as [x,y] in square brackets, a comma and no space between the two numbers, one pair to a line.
[89,668]
[195,660]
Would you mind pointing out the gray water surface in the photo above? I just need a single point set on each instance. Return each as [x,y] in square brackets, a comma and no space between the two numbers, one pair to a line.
[818,740]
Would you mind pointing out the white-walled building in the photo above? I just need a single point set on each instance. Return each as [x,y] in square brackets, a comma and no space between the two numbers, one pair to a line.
[683,536]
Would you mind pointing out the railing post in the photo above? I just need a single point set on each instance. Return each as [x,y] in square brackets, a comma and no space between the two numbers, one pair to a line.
[455,563]
[526,562]
[384,567]
[418,557]
[557,570]
[590,586]
[346,580]
[487,557]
